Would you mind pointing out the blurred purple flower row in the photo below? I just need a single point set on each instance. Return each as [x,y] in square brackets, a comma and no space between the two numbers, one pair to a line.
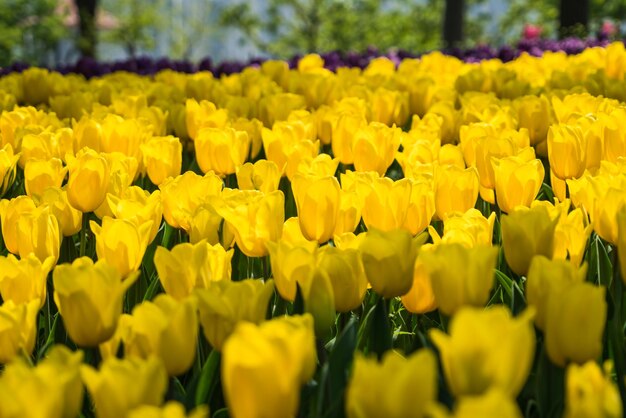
[333,60]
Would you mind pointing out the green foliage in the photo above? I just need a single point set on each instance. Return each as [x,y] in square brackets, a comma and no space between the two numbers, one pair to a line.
[137,24]
[29,29]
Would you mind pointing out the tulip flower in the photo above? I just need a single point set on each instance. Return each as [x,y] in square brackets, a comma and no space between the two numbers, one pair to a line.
[534,114]
[590,392]
[203,114]
[317,200]
[69,218]
[421,207]
[456,190]
[471,228]
[502,351]
[138,206]
[374,147]
[263,367]
[42,174]
[206,223]
[494,403]
[10,213]
[162,158]
[291,263]
[571,236]
[18,325]
[388,259]
[55,383]
[166,328]
[567,151]
[572,333]
[387,203]
[182,195]
[8,161]
[343,136]
[171,409]
[346,275]
[517,181]
[191,266]
[460,276]
[350,210]
[224,304]
[122,385]
[255,221]
[221,150]
[604,213]
[526,233]
[263,175]
[121,243]
[89,298]
[396,388]
[24,280]
[38,233]
[421,297]
[547,279]
[88,180]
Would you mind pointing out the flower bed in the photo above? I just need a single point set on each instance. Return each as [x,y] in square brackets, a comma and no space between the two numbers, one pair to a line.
[436,238]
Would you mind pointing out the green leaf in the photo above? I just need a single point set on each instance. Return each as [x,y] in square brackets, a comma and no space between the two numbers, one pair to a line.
[380,330]
[209,377]
[221,413]
[339,364]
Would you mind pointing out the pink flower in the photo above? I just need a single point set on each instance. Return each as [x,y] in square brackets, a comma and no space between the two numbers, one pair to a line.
[531,31]
[608,28]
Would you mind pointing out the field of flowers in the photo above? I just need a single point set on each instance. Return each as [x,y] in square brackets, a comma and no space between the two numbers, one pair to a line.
[429,239]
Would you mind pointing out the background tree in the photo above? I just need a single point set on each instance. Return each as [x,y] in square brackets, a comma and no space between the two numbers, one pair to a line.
[87,33]
[573,17]
[453,18]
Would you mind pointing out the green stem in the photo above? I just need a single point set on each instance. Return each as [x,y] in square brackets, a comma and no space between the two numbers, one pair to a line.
[83,235]
[617,339]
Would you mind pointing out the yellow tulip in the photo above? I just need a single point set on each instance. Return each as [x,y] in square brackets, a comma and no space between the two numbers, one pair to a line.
[388,259]
[38,233]
[471,228]
[346,274]
[590,392]
[263,367]
[42,174]
[89,297]
[320,166]
[24,280]
[263,175]
[493,404]
[517,182]
[374,147]
[502,351]
[255,221]
[18,325]
[182,195]
[317,200]
[389,106]
[456,190]
[547,279]
[122,385]
[171,409]
[205,224]
[567,151]
[421,207]
[55,383]
[202,115]
[396,388]
[291,263]
[70,219]
[166,328]
[460,276]
[121,243]
[88,180]
[192,266]
[125,136]
[572,333]
[224,304]
[533,114]
[526,233]
[138,206]
[221,150]
[350,210]
[387,203]
[162,158]
[8,161]
[604,213]
[10,213]
[343,136]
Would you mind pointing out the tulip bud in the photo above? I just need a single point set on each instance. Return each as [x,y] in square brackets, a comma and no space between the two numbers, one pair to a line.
[42,174]
[404,387]
[590,392]
[388,259]
[534,114]
[18,329]
[460,276]
[70,219]
[10,213]
[24,280]
[38,233]
[138,206]
[224,304]
[387,203]
[291,263]
[317,200]
[567,151]
[89,297]
[374,147]
[221,150]
[122,385]
[346,274]
[162,158]
[166,328]
[121,243]
[517,182]
[264,366]
[503,351]
[88,181]
[526,233]
[456,190]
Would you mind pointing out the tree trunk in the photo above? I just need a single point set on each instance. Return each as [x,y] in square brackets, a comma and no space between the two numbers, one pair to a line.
[87,39]
[453,23]
[573,17]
